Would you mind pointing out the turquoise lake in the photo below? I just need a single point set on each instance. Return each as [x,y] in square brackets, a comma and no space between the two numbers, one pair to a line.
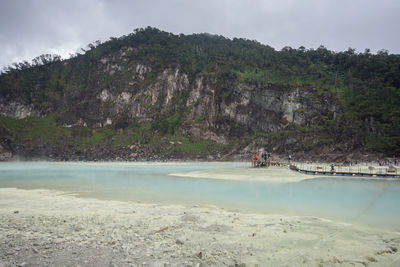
[369,202]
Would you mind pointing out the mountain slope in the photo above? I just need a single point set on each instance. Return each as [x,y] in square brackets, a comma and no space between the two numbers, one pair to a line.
[155,95]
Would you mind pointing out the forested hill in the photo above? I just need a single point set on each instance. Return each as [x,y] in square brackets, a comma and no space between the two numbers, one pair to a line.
[153,94]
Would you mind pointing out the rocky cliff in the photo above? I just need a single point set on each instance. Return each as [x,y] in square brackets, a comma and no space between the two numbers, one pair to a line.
[115,104]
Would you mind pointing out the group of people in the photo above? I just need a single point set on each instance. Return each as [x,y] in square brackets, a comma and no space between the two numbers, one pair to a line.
[263,158]
[388,162]
[349,163]
[266,159]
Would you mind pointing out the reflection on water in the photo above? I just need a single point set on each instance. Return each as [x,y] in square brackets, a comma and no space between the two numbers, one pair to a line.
[371,202]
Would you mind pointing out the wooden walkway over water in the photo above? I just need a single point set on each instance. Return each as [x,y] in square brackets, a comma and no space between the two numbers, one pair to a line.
[317,171]
[267,162]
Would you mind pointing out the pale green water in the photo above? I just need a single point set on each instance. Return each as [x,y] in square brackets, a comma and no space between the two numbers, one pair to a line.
[371,202]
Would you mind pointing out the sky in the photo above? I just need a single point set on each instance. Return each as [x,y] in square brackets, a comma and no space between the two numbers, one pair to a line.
[29,28]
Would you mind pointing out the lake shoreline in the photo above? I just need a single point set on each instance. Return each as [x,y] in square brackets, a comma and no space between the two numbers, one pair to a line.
[43,227]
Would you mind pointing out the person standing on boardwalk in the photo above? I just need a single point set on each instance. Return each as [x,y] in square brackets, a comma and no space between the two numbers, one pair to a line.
[332,168]
[255,159]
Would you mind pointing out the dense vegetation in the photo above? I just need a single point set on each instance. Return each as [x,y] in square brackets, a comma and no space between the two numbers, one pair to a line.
[368,85]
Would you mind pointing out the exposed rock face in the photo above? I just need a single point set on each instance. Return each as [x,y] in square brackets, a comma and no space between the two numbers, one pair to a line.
[144,103]
[271,108]
[105,96]
[17,110]
[141,70]
[207,111]
[267,109]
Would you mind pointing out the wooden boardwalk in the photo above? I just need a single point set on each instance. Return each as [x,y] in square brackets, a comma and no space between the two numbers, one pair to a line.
[343,173]
[266,163]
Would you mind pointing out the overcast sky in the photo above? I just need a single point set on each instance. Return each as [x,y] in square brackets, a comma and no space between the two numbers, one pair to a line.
[29,28]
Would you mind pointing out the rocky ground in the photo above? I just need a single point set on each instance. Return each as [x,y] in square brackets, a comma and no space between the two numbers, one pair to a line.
[47,228]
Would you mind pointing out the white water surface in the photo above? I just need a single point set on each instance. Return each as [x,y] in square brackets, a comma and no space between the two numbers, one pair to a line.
[235,186]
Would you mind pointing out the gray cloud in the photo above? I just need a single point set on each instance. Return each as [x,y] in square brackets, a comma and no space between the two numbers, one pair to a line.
[31,28]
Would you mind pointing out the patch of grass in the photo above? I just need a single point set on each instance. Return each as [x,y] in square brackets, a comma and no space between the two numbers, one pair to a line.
[167,126]
[197,120]
[271,135]
[136,133]
[44,129]
[257,133]
[100,136]
[201,147]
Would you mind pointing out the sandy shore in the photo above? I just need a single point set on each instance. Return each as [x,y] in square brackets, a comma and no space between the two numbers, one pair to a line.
[280,174]
[271,174]
[48,228]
